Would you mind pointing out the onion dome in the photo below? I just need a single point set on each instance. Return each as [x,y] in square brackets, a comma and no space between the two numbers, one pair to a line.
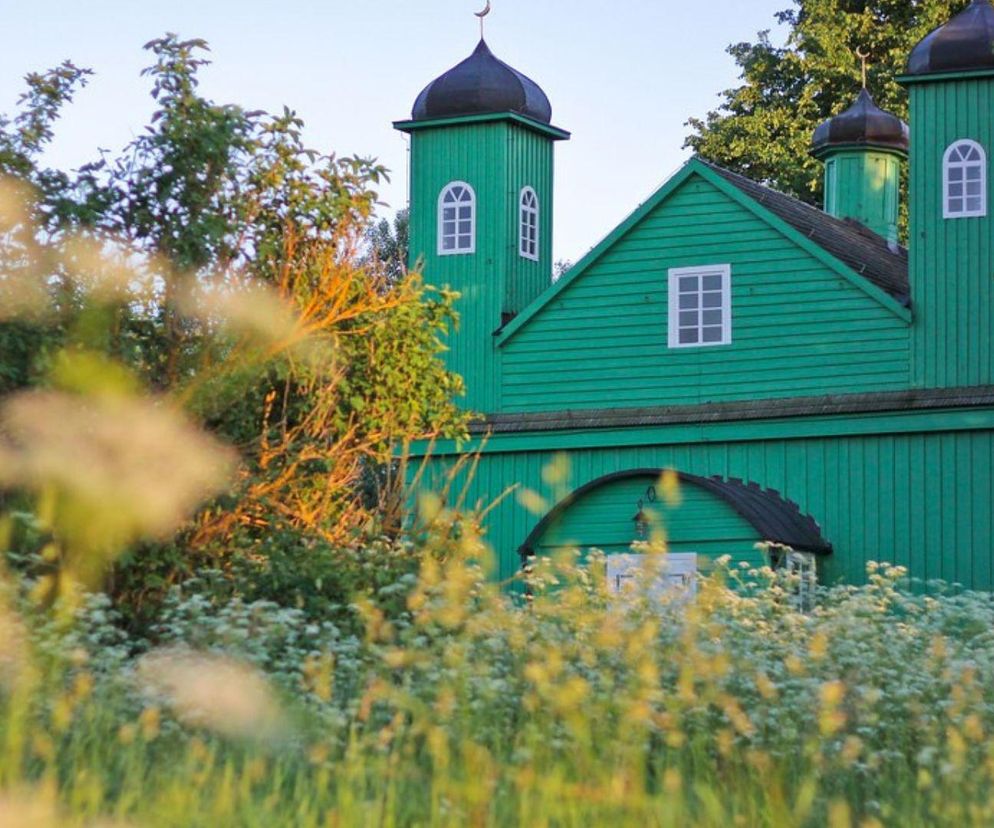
[863,124]
[480,85]
[966,42]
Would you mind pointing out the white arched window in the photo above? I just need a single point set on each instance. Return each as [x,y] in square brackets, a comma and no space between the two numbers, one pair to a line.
[964,180]
[456,219]
[528,236]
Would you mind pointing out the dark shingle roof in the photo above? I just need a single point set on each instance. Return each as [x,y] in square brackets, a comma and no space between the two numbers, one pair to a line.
[859,248]
[775,518]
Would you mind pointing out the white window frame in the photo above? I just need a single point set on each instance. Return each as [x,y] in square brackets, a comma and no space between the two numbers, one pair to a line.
[676,274]
[948,165]
[456,251]
[528,219]
[803,566]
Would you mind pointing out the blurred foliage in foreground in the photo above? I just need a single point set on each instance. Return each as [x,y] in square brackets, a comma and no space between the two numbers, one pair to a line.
[215,275]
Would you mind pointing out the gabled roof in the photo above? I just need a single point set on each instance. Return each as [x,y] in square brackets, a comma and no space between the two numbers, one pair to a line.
[866,253]
[856,253]
[775,519]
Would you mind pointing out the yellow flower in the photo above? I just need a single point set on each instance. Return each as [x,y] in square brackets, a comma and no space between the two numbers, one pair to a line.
[832,693]
[150,720]
[818,648]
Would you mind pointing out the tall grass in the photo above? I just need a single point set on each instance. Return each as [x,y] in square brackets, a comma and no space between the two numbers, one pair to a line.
[471,708]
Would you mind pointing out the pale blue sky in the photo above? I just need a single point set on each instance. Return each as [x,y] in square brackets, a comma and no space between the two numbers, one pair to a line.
[623,76]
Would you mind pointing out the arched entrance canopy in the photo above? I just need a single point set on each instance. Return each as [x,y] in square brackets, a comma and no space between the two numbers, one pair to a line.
[775,519]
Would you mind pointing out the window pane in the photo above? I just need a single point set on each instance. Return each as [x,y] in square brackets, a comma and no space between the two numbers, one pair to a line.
[449,214]
[712,300]
[955,205]
[449,243]
[973,205]
[712,317]
[688,337]
[973,173]
[449,228]
[688,319]
[465,212]
[712,334]
[465,242]
[465,227]
[712,283]
[955,173]
[955,189]
[689,284]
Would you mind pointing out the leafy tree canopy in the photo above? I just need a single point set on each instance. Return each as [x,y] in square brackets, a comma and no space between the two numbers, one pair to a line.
[763,127]
[222,264]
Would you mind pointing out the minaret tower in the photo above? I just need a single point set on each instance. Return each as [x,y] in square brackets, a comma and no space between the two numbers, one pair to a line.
[863,150]
[950,81]
[481,173]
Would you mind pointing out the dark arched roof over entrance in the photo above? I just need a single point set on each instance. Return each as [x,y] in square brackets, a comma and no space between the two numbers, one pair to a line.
[774,518]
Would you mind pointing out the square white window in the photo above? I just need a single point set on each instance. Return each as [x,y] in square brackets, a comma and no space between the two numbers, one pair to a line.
[700,306]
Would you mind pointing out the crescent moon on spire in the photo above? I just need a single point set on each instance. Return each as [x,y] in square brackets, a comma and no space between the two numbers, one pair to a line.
[484,13]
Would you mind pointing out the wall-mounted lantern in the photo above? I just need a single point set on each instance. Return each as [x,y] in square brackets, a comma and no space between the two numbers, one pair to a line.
[641,525]
[641,519]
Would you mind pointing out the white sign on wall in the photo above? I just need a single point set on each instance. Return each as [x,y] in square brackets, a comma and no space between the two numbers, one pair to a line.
[677,572]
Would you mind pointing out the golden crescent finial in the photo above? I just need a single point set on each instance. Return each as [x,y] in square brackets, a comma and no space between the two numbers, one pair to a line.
[864,57]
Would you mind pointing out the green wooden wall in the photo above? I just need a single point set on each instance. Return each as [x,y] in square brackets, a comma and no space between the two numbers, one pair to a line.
[952,266]
[916,489]
[497,158]
[864,185]
[799,328]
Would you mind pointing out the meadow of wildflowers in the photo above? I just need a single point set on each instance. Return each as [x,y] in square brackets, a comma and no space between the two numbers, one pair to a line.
[475,708]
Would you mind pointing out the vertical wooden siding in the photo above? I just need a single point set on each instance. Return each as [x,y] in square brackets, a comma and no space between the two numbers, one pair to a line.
[952,267]
[529,165]
[497,159]
[865,186]
[471,154]
[798,328]
[920,500]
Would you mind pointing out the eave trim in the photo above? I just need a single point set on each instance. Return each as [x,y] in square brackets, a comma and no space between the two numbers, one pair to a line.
[553,132]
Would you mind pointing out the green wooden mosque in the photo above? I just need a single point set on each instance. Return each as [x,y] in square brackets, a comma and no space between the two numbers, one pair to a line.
[807,380]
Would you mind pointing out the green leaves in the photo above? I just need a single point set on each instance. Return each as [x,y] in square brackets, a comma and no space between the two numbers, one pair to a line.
[763,127]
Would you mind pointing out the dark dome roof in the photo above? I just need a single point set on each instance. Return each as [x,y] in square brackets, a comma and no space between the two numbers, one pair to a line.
[965,42]
[480,85]
[863,123]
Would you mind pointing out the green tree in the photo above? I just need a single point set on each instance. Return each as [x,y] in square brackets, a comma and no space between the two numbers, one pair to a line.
[763,127]
[388,244]
[247,299]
